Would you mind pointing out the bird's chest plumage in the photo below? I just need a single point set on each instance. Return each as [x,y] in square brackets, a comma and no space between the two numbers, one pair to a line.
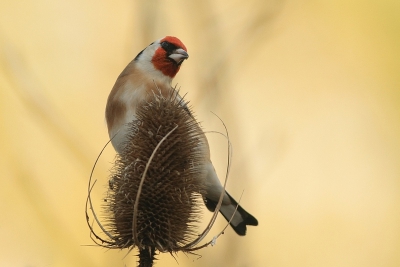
[131,96]
[128,97]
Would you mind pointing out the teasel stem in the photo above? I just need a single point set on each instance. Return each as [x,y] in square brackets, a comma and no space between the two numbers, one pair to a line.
[146,257]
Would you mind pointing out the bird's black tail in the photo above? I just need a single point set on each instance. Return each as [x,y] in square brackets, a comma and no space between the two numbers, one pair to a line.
[241,218]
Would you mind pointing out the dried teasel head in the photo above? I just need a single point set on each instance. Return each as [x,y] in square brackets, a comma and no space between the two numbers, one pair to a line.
[156,186]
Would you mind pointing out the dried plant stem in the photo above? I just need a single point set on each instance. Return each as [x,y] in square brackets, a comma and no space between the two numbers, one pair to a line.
[146,257]
[90,205]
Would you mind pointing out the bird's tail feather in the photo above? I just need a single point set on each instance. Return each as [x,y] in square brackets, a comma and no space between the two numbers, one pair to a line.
[241,218]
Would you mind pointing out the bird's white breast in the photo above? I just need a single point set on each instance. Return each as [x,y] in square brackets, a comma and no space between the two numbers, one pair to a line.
[131,96]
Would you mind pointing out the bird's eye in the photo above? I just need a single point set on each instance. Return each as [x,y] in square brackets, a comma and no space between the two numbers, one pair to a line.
[168,46]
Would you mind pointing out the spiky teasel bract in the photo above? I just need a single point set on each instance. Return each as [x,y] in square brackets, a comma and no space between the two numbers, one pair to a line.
[156,186]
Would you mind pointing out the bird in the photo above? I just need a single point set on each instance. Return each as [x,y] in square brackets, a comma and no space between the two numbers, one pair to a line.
[157,65]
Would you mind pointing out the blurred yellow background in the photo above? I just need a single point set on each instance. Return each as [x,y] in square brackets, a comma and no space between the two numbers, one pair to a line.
[309,91]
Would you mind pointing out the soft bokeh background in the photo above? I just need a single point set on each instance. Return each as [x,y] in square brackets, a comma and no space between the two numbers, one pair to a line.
[309,91]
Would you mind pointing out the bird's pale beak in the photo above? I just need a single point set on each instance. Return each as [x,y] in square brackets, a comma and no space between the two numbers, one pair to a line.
[179,55]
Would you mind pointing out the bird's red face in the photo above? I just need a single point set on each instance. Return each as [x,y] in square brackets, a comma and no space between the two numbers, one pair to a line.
[169,56]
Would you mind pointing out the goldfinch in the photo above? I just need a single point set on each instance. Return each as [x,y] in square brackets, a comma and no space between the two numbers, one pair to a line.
[155,67]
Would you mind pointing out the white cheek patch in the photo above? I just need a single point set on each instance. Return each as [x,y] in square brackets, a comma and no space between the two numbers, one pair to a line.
[144,64]
[156,75]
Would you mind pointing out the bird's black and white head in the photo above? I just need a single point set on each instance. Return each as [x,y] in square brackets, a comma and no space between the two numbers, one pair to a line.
[164,56]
